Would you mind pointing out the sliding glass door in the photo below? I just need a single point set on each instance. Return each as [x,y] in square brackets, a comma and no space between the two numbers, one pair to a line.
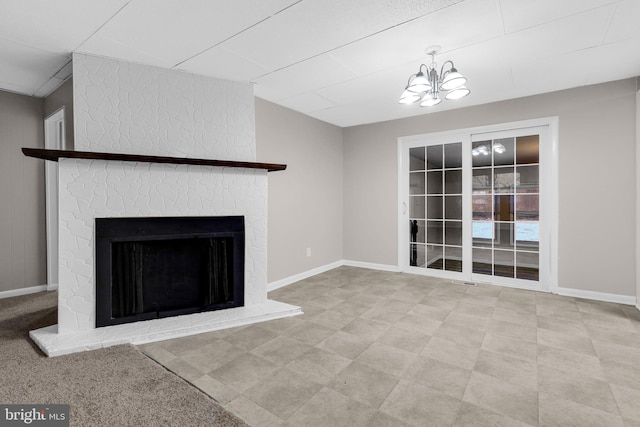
[435,206]
[477,206]
[506,206]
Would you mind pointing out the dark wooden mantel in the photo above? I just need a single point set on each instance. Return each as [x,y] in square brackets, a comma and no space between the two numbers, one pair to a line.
[54,155]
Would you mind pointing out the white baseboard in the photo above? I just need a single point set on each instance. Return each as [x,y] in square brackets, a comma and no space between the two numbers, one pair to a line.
[301,276]
[53,287]
[23,291]
[372,266]
[598,296]
[570,292]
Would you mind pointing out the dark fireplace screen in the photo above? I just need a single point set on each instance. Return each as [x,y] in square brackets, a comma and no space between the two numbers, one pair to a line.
[148,268]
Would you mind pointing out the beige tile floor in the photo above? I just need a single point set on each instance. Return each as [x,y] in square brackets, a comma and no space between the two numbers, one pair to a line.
[388,349]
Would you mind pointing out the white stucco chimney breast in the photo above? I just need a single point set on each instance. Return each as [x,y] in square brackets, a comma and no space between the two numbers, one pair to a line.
[127,108]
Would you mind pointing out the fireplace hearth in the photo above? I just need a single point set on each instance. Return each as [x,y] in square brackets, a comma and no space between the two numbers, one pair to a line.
[150,268]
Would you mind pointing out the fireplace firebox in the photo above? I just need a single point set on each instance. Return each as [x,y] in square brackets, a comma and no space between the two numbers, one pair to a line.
[155,267]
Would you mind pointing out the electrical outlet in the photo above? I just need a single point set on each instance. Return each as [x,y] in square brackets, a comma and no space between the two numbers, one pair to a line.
[308,251]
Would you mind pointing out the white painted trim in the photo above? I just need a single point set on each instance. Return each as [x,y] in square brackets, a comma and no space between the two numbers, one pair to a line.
[52,287]
[598,296]
[54,138]
[23,291]
[272,286]
[372,266]
[403,206]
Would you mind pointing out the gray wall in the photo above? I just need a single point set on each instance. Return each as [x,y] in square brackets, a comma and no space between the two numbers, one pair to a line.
[22,211]
[62,97]
[338,195]
[596,180]
[305,200]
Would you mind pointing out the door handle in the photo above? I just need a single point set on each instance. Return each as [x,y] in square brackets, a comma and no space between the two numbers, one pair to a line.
[404,208]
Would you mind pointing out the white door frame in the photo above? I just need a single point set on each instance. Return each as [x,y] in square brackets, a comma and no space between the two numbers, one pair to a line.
[548,182]
[54,139]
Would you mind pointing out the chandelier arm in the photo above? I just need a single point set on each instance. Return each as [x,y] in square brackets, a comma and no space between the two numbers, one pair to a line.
[444,73]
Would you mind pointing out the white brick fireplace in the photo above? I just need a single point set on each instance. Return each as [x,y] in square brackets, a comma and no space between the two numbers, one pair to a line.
[127,108]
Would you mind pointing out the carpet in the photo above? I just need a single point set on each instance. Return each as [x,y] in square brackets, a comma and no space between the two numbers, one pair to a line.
[107,387]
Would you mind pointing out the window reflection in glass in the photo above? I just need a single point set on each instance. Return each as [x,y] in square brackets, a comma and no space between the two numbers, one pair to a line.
[416,207]
[434,207]
[453,207]
[434,157]
[453,233]
[503,151]
[434,257]
[416,183]
[482,181]
[503,210]
[482,261]
[435,231]
[503,263]
[416,159]
[434,182]
[453,155]
[453,182]
[527,180]
[527,149]
[504,180]
[452,258]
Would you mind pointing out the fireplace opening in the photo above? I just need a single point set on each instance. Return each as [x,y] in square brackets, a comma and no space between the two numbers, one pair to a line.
[148,268]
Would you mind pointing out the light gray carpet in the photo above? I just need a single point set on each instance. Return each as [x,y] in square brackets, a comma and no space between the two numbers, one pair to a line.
[113,386]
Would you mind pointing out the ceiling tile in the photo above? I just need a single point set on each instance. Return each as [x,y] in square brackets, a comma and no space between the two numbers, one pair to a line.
[562,36]
[311,28]
[168,32]
[222,63]
[451,28]
[48,87]
[624,24]
[388,84]
[57,26]
[519,14]
[575,67]
[620,61]
[303,77]
[307,103]
[22,66]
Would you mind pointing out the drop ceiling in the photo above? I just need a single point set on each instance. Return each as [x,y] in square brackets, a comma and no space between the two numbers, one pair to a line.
[341,61]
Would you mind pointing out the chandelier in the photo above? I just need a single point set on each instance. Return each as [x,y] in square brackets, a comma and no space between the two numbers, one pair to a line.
[426,85]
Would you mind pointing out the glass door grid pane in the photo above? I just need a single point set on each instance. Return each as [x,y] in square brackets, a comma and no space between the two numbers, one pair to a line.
[505,207]
[435,207]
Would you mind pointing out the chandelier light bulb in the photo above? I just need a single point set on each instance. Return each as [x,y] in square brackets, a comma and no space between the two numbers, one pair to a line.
[458,93]
[453,80]
[419,83]
[409,97]
[430,100]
